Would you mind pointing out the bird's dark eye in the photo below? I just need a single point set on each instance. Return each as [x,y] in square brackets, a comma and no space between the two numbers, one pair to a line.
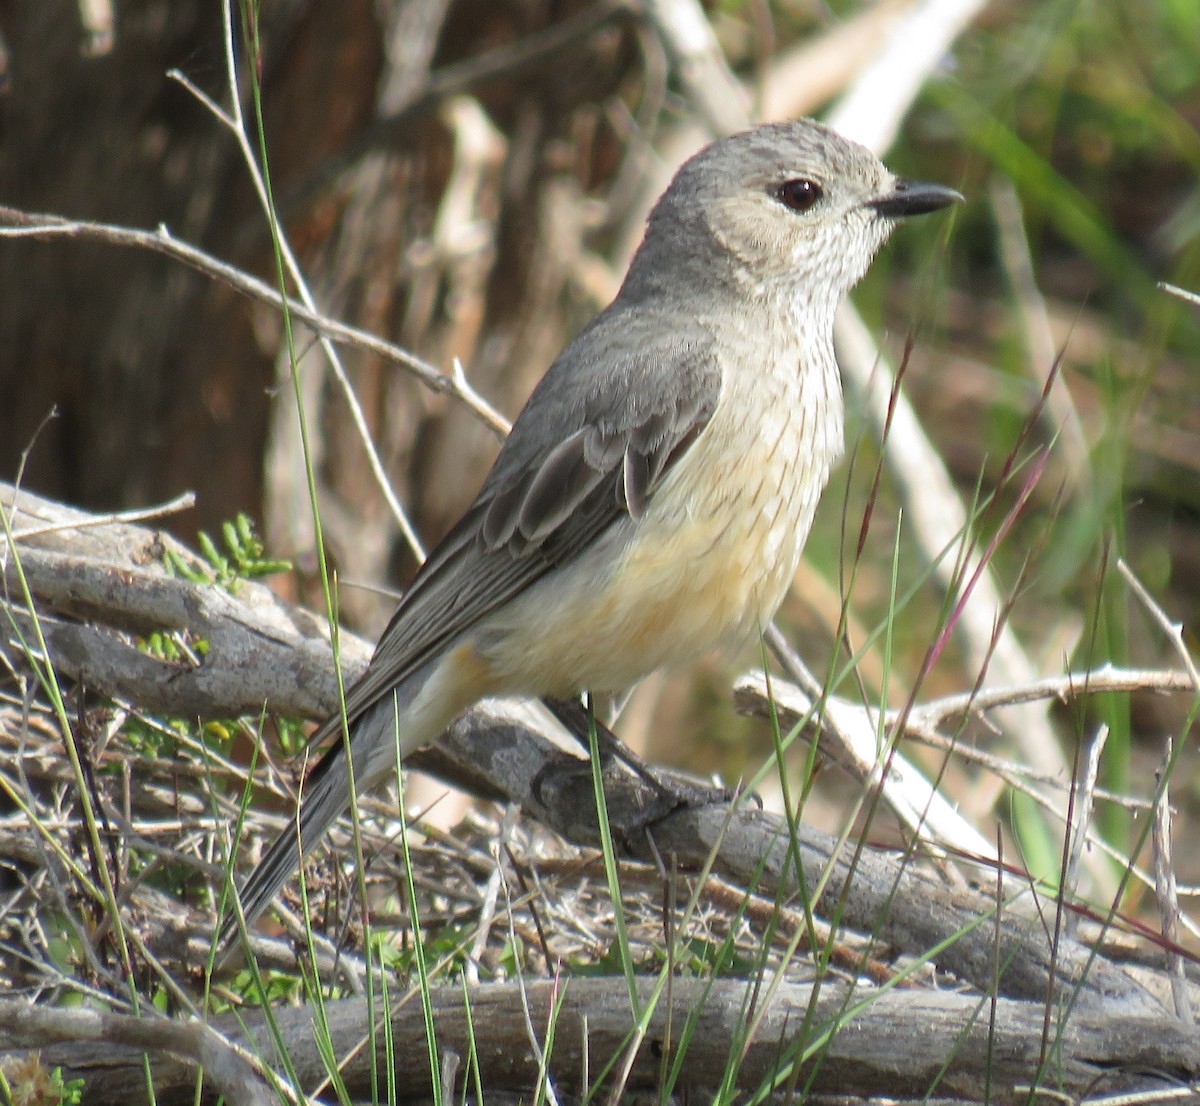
[799,195]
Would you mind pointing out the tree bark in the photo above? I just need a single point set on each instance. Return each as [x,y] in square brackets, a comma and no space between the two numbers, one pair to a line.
[849,1040]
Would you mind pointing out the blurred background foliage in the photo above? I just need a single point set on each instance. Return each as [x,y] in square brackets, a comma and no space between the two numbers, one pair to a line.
[1073,129]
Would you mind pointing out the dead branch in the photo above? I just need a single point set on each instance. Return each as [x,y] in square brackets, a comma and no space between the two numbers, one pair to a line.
[850,1038]
[845,730]
[185,1044]
[15,223]
[101,588]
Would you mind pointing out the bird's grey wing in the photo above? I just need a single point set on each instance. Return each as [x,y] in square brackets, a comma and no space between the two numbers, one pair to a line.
[588,449]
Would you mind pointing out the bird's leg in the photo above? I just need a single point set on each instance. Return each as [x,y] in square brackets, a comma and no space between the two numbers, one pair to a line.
[672,791]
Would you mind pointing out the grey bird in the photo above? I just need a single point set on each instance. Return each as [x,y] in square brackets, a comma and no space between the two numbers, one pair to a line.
[654,496]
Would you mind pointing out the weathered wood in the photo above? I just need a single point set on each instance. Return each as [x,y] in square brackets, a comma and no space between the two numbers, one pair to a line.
[99,587]
[855,1040]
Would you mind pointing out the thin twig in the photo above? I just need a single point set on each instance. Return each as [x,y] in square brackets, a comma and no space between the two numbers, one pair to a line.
[868,757]
[1174,290]
[537,1050]
[1173,630]
[184,502]
[750,695]
[491,894]
[29,224]
[1107,677]
[1039,339]
[237,126]
[1167,891]
[1085,798]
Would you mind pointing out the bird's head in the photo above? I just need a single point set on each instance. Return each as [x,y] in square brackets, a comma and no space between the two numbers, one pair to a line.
[792,207]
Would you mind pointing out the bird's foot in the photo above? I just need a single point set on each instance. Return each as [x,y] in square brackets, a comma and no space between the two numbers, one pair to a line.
[670,790]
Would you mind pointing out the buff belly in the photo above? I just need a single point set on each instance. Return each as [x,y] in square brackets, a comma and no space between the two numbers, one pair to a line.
[706,566]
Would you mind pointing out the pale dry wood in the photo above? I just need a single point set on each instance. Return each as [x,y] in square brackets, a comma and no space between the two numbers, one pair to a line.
[879,1042]
[864,745]
[874,106]
[1060,414]
[101,587]
[1180,293]
[1166,888]
[356,267]
[792,706]
[814,70]
[699,64]
[118,1044]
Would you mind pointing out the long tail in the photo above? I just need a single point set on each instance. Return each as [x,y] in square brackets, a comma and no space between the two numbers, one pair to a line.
[418,710]
[324,799]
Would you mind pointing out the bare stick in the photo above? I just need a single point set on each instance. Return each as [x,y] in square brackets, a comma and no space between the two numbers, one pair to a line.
[1085,798]
[184,502]
[1167,891]
[234,1070]
[236,123]
[750,696]
[15,223]
[1173,630]
[1106,677]
[855,735]
[1181,293]
[1035,321]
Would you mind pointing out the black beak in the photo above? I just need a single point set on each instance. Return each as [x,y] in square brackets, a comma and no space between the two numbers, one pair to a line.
[913,197]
